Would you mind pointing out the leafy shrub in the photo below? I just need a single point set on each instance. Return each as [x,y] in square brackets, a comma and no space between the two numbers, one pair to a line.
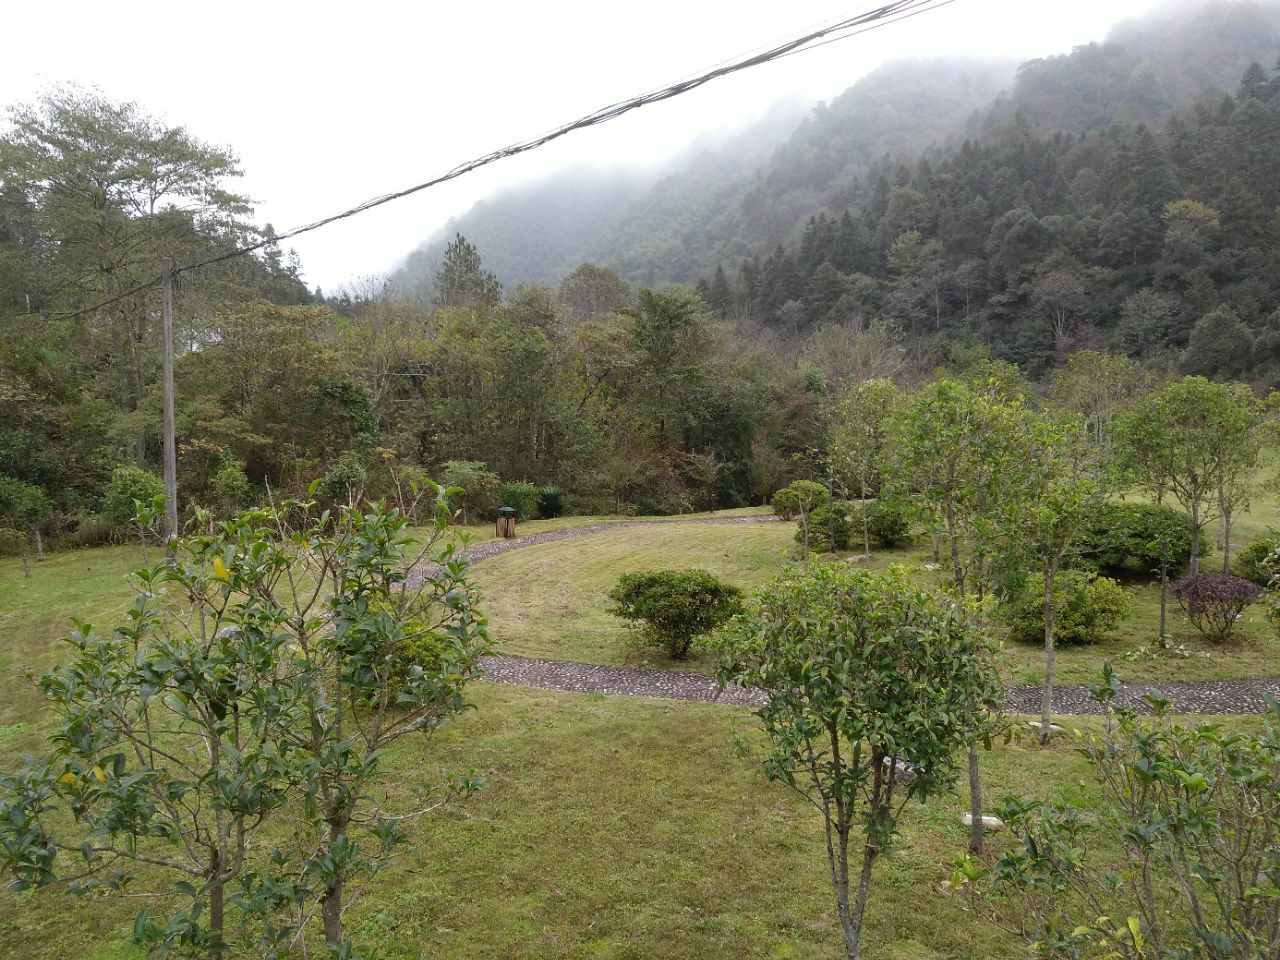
[345,478]
[1193,803]
[424,650]
[1213,602]
[479,487]
[230,489]
[129,486]
[888,523]
[88,530]
[675,606]
[806,494]
[550,502]
[1134,536]
[1257,562]
[522,497]
[1088,608]
[826,521]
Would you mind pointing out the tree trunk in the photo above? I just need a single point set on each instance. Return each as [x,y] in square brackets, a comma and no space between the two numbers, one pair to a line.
[1195,538]
[1164,601]
[1046,700]
[1226,540]
[331,904]
[216,908]
[840,873]
[975,801]
[853,930]
[866,519]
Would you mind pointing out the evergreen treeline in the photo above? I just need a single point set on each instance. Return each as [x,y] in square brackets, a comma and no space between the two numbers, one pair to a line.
[1162,242]
[745,196]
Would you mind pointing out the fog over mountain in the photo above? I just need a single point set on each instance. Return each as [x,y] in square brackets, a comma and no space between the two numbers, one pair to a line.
[742,195]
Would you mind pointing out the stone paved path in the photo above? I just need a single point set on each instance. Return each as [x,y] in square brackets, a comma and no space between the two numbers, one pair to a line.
[1187,696]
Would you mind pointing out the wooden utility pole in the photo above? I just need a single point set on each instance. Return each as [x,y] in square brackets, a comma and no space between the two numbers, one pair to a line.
[170,430]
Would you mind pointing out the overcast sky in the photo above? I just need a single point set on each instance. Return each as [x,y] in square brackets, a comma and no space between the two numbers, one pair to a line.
[328,104]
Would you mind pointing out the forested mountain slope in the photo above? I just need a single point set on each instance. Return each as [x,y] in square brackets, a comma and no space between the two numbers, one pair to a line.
[721,205]
[539,232]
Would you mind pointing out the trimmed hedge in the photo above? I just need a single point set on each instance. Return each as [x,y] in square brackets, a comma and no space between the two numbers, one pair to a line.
[1130,537]
[675,606]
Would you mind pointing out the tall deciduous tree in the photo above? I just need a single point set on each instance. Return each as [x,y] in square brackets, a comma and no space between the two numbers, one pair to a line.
[114,192]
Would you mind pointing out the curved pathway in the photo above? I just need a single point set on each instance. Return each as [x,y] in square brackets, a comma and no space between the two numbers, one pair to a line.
[1186,696]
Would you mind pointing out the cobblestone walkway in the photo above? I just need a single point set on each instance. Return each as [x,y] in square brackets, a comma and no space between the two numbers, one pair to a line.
[1186,696]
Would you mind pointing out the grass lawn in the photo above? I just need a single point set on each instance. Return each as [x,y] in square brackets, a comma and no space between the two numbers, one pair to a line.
[484,532]
[610,827]
[551,600]
[615,827]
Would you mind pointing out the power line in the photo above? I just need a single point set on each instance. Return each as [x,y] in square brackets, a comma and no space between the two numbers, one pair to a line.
[883,15]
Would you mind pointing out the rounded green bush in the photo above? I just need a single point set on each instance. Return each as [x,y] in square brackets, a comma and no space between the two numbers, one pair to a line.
[1088,608]
[838,519]
[1258,561]
[1134,537]
[129,486]
[231,489]
[345,479]
[675,606]
[789,501]
[888,523]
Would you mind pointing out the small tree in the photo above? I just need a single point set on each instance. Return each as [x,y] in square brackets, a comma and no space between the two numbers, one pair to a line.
[675,606]
[866,676]
[275,663]
[1194,813]
[859,436]
[1189,439]
[1060,485]
[172,744]
[24,507]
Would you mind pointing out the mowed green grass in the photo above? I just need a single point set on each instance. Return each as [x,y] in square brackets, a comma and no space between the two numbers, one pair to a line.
[609,827]
[614,827]
[551,600]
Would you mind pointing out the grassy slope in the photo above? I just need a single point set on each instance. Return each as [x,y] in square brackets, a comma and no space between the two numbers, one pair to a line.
[550,601]
[611,827]
[616,828]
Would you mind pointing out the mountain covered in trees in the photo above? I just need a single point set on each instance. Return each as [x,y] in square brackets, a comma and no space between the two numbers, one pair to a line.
[719,206]
[1096,203]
